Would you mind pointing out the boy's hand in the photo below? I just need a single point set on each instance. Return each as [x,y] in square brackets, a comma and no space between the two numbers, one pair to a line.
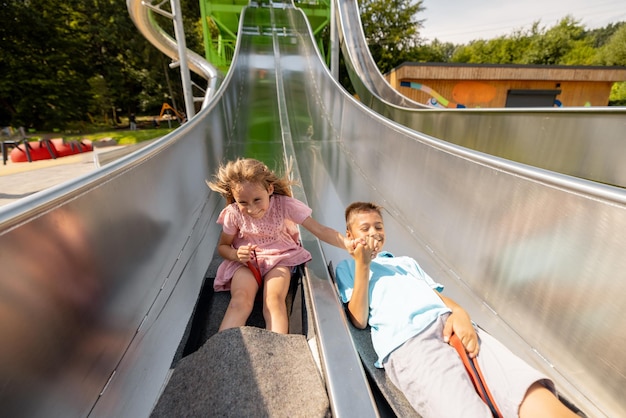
[365,249]
[460,324]
[361,252]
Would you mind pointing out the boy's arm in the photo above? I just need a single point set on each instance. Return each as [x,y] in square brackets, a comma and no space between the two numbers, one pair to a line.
[459,323]
[325,233]
[358,306]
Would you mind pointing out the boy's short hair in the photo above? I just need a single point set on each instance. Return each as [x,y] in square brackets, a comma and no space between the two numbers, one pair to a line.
[359,207]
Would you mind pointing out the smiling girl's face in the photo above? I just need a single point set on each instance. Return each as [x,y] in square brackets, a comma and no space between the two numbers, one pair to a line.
[252,198]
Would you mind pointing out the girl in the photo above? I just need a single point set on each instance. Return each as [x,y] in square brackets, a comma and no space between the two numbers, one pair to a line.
[260,236]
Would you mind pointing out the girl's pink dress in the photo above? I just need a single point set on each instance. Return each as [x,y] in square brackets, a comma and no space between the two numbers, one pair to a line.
[275,234]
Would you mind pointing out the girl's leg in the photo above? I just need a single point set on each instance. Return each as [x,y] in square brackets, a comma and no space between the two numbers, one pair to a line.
[243,289]
[275,291]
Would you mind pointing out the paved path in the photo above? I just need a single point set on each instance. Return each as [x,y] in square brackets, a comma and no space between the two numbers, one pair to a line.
[18,180]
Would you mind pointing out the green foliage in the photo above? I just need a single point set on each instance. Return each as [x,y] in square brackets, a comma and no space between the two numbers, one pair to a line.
[43,78]
[580,53]
[436,51]
[391,29]
[613,52]
[124,137]
[81,60]
[567,43]
[551,46]
[502,50]
[618,94]
[600,36]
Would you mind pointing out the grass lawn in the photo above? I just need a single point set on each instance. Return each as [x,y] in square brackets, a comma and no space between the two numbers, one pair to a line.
[125,137]
[122,135]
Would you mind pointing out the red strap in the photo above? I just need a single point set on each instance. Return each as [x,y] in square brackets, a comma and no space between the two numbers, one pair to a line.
[255,269]
[476,376]
[257,273]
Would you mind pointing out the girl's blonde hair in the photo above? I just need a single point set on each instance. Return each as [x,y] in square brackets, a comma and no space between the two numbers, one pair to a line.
[244,170]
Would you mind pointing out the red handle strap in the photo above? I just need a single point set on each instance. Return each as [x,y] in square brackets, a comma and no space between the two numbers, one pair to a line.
[257,273]
[254,268]
[476,376]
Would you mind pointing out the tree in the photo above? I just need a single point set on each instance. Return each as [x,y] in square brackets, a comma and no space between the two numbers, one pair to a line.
[567,43]
[72,60]
[502,50]
[553,46]
[614,53]
[44,78]
[436,51]
[131,67]
[391,29]
[618,94]
[600,36]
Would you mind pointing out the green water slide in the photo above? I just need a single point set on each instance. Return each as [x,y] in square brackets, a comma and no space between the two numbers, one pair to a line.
[220,23]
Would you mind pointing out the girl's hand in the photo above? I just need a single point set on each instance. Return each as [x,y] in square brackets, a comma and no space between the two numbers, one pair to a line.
[244,253]
[350,244]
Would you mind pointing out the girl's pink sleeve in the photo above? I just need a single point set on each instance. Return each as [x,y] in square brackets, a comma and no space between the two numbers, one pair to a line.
[229,220]
[295,210]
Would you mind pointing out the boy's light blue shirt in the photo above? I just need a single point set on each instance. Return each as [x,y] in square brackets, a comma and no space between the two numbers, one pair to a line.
[401,296]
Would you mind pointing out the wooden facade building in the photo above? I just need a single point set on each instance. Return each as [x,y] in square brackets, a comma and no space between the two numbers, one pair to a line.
[505,85]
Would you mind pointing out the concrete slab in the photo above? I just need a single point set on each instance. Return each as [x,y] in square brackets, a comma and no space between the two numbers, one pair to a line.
[18,180]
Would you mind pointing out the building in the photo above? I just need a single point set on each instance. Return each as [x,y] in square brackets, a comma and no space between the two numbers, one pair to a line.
[505,85]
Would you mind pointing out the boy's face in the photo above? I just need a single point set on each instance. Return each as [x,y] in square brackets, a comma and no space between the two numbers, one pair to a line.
[367,225]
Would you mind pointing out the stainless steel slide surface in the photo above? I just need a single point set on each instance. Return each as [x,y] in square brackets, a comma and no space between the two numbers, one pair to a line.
[100,275]
[370,85]
[582,142]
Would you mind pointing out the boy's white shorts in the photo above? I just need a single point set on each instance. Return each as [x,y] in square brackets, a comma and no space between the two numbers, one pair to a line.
[432,377]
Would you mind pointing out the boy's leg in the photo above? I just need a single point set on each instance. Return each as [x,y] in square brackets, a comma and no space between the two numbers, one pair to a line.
[276,286]
[539,401]
[243,288]
[432,377]
[518,388]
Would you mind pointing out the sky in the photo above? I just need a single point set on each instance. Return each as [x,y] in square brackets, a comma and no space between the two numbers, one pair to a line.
[462,21]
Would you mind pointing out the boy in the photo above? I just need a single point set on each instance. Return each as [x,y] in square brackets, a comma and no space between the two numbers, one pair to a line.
[411,325]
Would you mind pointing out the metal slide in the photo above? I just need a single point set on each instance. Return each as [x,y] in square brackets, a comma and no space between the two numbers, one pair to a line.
[581,142]
[100,275]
